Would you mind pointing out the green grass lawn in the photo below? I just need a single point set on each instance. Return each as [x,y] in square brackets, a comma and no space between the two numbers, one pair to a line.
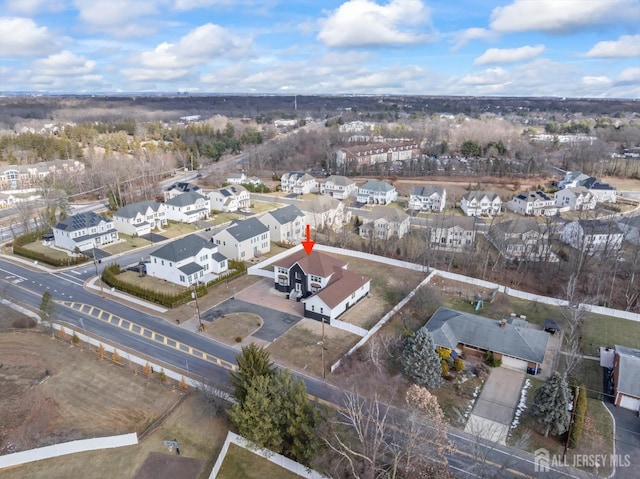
[127,244]
[240,463]
[174,229]
[601,330]
[46,250]
[258,207]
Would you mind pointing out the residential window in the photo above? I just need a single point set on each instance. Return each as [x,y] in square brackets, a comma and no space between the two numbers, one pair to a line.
[182,278]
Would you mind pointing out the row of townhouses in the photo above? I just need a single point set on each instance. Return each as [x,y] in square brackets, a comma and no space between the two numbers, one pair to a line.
[17,177]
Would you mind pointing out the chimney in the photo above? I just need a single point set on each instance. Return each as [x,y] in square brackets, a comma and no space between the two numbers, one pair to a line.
[503,324]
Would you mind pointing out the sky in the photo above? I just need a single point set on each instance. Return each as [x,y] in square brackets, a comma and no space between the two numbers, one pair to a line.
[564,48]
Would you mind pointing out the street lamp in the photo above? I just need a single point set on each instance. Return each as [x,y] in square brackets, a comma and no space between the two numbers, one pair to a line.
[194,295]
[95,264]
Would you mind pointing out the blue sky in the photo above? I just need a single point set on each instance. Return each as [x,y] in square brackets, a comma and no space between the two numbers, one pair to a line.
[576,48]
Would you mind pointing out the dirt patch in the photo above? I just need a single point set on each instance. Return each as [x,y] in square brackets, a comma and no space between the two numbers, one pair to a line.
[81,397]
[165,466]
[230,327]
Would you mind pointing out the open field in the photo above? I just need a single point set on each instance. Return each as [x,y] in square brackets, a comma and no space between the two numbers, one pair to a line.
[622,184]
[149,282]
[299,347]
[240,463]
[82,398]
[227,329]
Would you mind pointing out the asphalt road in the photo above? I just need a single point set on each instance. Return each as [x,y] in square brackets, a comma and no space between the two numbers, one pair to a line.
[471,458]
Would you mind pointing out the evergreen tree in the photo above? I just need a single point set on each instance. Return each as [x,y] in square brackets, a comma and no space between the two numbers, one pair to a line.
[420,361]
[252,361]
[47,308]
[551,405]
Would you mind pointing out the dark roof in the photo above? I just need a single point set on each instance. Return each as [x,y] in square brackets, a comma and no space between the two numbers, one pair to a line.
[628,370]
[190,268]
[218,257]
[182,248]
[81,221]
[317,263]
[249,228]
[131,210]
[595,227]
[185,199]
[184,187]
[287,214]
[467,223]
[375,185]
[427,190]
[520,225]
[450,327]
[479,194]
[551,324]
[595,184]
[534,195]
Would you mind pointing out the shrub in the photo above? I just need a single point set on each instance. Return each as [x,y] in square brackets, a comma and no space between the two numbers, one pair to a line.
[75,339]
[101,351]
[445,368]
[115,357]
[458,364]
[444,353]
[147,369]
[579,417]
[238,339]
[162,376]
[183,384]
[491,360]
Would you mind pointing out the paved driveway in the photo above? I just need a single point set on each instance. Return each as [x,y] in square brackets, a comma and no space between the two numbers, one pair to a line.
[627,441]
[494,409]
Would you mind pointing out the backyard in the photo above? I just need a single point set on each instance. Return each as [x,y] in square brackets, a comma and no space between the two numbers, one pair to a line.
[241,463]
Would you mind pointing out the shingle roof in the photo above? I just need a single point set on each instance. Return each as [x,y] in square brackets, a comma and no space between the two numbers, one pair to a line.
[131,210]
[299,175]
[182,248]
[249,228]
[600,227]
[427,190]
[450,327]
[185,199]
[339,180]
[287,214]
[81,221]
[190,268]
[374,185]
[184,187]
[342,284]
[628,371]
[467,223]
[520,225]
[478,195]
[318,264]
[388,213]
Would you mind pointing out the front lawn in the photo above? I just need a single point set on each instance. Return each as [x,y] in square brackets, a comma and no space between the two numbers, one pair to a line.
[126,243]
[150,283]
[239,462]
[601,330]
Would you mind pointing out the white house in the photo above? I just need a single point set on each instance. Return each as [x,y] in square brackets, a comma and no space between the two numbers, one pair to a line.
[603,192]
[298,182]
[339,187]
[229,199]
[285,224]
[630,225]
[139,219]
[388,222]
[453,233]
[481,203]
[328,287]
[592,236]
[188,207]
[572,179]
[536,203]
[325,211]
[180,188]
[84,231]
[523,239]
[244,240]
[187,261]
[377,193]
[428,198]
[576,199]
[236,178]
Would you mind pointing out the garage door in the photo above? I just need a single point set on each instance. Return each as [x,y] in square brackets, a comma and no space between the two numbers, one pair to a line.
[630,403]
[515,364]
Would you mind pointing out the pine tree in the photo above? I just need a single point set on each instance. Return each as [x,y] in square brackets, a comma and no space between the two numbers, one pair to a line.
[252,361]
[47,308]
[115,357]
[551,405]
[420,361]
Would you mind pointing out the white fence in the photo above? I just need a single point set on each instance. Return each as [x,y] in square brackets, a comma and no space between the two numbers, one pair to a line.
[352,328]
[65,448]
[271,456]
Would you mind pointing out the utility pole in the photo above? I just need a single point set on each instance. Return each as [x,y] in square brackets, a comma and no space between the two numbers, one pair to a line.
[95,264]
[194,295]
[322,351]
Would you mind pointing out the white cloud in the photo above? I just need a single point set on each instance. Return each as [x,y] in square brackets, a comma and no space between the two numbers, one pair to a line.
[629,75]
[508,55]
[116,17]
[625,46]
[358,23]
[63,64]
[460,39]
[20,37]
[31,7]
[191,4]
[491,76]
[560,15]
[596,80]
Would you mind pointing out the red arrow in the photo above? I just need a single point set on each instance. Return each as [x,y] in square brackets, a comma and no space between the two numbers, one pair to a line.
[308,245]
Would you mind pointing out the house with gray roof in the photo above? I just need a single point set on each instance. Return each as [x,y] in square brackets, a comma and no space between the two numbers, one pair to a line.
[592,236]
[230,198]
[518,346]
[376,192]
[428,198]
[536,203]
[453,233]
[244,239]
[525,239]
[338,187]
[630,226]
[139,219]
[84,231]
[187,261]
[285,224]
[298,182]
[481,203]
[188,207]
[386,222]
[626,377]
[179,188]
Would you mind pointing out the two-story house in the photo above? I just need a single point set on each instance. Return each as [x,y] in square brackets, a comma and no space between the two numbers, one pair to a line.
[603,192]
[236,178]
[339,187]
[523,239]
[285,224]
[572,179]
[187,261]
[630,226]
[453,233]
[325,211]
[179,188]
[139,219]
[481,203]
[389,222]
[575,199]
[533,203]
[229,199]
[377,193]
[188,207]
[328,287]
[298,182]
[84,231]
[592,236]
[244,240]
[428,198]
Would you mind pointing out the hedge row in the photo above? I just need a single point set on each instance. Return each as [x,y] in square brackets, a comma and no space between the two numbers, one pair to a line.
[110,277]
[20,250]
